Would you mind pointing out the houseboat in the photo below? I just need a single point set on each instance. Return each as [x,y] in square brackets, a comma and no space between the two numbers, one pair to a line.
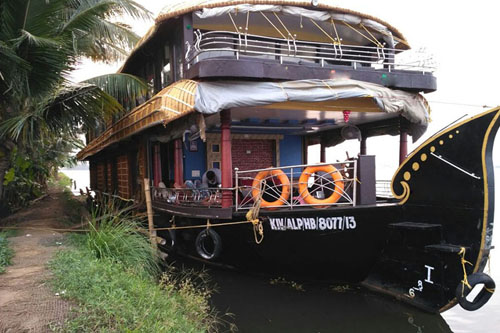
[240,90]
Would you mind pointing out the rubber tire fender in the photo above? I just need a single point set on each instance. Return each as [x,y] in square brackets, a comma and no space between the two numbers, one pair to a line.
[171,240]
[484,295]
[200,248]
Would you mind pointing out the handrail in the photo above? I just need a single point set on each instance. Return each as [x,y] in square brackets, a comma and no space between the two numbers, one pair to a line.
[230,44]
[383,189]
[322,186]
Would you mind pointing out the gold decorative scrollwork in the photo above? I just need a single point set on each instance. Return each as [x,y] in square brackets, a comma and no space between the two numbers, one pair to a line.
[405,195]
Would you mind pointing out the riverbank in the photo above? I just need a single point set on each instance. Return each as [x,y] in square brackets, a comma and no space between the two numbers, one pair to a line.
[66,282]
[27,302]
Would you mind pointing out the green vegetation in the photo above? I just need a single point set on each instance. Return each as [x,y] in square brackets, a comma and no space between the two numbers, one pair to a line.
[113,274]
[6,252]
[116,235]
[61,181]
[42,112]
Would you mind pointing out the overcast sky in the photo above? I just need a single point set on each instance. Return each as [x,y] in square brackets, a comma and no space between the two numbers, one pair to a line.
[462,36]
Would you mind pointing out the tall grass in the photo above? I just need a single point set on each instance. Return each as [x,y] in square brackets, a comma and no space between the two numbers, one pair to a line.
[6,252]
[116,234]
[113,274]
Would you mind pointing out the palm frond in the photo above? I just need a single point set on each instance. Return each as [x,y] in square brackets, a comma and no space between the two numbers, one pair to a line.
[33,40]
[107,42]
[81,105]
[86,13]
[125,88]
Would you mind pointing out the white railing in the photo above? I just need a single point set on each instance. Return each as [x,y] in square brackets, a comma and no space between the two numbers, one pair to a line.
[320,185]
[383,189]
[213,44]
[189,196]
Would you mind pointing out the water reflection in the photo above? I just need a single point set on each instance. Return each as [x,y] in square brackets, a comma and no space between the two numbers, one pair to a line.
[262,304]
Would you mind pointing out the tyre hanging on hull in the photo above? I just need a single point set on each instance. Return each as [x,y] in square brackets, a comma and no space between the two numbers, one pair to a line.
[170,238]
[484,295]
[208,244]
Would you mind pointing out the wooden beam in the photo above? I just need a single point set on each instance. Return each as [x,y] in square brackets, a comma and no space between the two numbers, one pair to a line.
[226,158]
[178,163]
[403,146]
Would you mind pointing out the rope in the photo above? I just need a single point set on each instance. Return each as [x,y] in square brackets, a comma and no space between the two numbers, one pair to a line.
[234,23]
[465,282]
[322,30]
[335,28]
[278,30]
[45,229]
[375,39]
[253,216]
[113,196]
[489,264]
[359,32]
[284,26]
[489,273]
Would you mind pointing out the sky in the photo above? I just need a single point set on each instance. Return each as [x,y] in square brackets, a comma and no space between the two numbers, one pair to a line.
[461,35]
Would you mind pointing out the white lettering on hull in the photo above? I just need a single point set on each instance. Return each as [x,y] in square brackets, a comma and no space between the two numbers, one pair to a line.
[313,223]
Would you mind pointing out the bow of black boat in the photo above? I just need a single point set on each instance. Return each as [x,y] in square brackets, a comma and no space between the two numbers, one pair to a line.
[435,254]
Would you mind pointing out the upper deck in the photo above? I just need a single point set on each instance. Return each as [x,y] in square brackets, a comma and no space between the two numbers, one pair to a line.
[276,40]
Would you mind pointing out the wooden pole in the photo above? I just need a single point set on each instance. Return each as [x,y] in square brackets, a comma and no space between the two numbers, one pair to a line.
[403,146]
[226,159]
[149,207]
[178,163]
[362,148]
[322,151]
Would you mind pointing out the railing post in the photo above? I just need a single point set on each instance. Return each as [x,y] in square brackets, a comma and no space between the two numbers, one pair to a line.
[403,146]
[178,163]
[322,151]
[236,187]
[355,183]
[226,158]
[362,148]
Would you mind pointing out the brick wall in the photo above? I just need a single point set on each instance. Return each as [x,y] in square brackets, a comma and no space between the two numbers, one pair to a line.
[101,180]
[141,162]
[109,170]
[122,167]
[253,154]
[93,174]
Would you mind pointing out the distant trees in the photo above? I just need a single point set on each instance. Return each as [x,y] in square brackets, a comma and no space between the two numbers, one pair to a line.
[42,112]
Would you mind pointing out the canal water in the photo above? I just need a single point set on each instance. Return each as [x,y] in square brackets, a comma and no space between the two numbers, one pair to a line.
[269,304]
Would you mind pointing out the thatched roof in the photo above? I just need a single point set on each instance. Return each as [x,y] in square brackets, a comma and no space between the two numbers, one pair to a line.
[178,8]
[169,104]
[183,7]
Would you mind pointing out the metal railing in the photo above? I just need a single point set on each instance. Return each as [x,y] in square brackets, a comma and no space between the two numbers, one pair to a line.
[277,187]
[196,197]
[297,186]
[383,189]
[213,44]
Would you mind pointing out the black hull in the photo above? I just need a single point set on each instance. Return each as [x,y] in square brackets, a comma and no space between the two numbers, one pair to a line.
[408,249]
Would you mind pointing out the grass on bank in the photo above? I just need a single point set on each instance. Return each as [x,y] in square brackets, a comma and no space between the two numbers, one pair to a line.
[113,275]
[6,252]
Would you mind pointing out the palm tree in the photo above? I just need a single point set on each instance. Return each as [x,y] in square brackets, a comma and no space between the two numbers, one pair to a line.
[41,42]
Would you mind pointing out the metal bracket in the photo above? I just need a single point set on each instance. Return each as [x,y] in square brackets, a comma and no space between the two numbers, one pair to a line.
[439,157]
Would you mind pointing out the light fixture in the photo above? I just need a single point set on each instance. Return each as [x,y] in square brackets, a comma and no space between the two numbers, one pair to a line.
[315,3]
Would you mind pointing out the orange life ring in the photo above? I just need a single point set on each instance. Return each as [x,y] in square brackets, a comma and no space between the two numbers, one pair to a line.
[337,179]
[285,187]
